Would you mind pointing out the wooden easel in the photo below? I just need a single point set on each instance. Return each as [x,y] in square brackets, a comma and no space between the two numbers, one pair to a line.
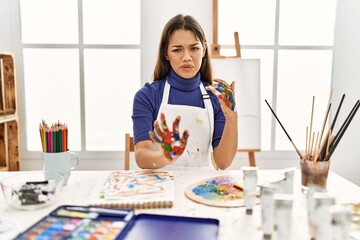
[251,154]
[215,47]
[215,53]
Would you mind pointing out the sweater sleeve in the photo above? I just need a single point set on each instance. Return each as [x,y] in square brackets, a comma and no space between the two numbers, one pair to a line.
[219,119]
[219,123]
[145,109]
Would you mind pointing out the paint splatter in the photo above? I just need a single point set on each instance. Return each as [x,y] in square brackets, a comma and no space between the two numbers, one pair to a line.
[199,121]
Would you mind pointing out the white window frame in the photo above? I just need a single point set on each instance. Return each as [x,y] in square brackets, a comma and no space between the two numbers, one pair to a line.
[271,154]
[111,157]
[118,155]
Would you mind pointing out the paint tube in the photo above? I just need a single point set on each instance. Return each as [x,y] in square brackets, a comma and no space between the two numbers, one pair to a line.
[340,222]
[279,185]
[322,216]
[250,182]
[267,192]
[288,187]
[310,202]
[283,211]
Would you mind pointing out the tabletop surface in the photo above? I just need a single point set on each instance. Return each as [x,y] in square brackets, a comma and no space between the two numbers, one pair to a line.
[234,223]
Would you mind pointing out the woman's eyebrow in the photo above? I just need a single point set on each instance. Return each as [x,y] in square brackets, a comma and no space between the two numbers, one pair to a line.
[179,45]
[176,45]
[194,44]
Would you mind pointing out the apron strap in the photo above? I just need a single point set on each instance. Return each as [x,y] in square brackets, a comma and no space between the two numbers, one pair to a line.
[166,93]
[210,110]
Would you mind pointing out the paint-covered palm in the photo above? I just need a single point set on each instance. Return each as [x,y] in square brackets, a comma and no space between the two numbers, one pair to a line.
[224,92]
[170,141]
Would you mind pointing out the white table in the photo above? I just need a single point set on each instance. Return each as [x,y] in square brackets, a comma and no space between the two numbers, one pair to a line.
[234,223]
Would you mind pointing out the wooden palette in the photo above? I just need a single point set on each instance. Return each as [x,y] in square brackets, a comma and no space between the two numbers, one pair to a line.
[222,191]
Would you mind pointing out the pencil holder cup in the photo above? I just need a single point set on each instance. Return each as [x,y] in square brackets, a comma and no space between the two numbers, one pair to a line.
[314,173]
[62,162]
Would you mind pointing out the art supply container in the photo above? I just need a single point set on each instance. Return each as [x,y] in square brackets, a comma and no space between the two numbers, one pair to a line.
[313,172]
[32,190]
[250,183]
[62,162]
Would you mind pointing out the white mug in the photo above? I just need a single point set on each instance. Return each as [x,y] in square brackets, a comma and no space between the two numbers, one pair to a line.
[60,162]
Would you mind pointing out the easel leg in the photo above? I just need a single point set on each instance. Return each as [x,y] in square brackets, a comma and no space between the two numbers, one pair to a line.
[252,159]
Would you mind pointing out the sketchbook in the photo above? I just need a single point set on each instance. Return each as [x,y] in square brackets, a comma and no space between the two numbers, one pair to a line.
[135,189]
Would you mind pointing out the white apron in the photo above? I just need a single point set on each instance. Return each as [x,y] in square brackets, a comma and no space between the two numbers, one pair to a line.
[200,124]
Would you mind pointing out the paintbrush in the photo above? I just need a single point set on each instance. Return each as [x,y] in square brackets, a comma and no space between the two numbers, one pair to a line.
[308,156]
[323,150]
[297,150]
[342,130]
[321,145]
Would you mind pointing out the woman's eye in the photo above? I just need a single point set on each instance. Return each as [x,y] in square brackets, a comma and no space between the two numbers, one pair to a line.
[177,50]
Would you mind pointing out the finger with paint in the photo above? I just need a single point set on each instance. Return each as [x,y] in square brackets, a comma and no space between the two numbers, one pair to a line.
[170,141]
[224,92]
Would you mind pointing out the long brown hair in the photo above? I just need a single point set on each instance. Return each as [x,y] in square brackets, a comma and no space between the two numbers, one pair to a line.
[162,68]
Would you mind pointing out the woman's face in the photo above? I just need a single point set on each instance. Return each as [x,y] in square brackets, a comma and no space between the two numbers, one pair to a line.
[185,53]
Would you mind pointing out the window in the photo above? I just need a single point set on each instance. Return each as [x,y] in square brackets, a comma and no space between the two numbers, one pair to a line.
[88,62]
[82,69]
[294,40]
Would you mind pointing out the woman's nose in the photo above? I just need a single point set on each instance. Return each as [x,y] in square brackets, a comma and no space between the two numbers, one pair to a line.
[186,56]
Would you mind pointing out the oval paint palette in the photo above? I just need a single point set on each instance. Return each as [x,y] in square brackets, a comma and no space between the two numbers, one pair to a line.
[222,191]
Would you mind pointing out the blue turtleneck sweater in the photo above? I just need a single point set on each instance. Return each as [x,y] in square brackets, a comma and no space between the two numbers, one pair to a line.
[148,99]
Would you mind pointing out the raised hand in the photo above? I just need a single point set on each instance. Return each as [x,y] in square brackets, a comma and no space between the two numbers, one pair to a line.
[171,143]
[224,92]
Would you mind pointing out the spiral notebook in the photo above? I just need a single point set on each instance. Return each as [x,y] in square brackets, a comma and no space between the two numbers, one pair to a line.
[135,189]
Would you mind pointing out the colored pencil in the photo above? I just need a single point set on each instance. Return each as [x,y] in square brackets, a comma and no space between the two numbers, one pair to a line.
[54,138]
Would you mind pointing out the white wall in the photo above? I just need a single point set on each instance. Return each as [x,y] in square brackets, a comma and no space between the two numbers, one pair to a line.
[346,79]
[5,27]
[154,21]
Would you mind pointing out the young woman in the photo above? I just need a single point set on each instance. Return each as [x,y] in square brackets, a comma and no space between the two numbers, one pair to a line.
[202,112]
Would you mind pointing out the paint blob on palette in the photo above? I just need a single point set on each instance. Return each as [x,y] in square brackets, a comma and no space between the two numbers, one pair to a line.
[222,191]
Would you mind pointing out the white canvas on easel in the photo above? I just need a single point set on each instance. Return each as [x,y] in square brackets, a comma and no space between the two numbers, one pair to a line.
[246,74]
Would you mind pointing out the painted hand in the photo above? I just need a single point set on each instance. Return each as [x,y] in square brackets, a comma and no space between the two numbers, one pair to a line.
[170,142]
[224,92]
